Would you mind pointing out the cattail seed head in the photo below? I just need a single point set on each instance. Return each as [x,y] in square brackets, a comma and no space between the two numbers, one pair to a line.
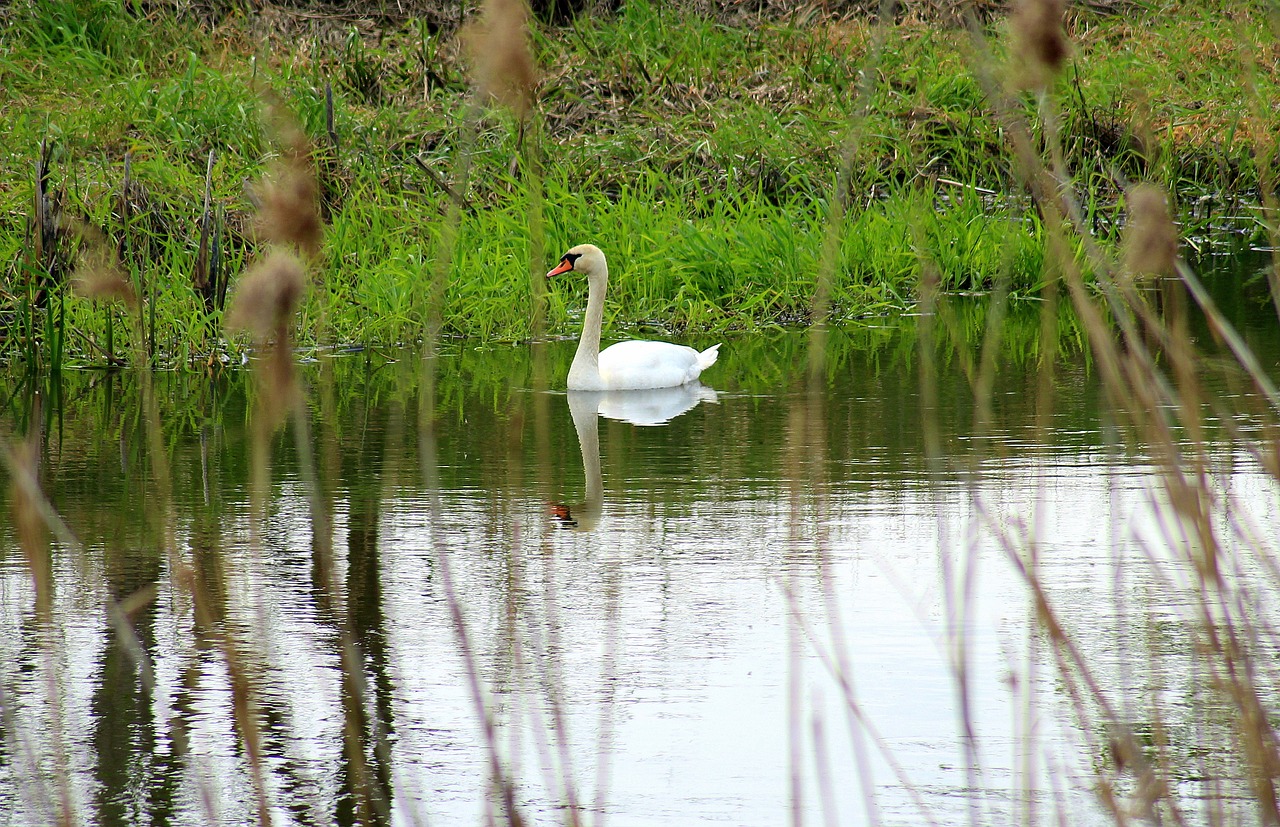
[288,196]
[99,278]
[289,209]
[106,285]
[265,300]
[1150,237]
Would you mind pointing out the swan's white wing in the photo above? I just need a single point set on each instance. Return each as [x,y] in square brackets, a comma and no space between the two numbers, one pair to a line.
[642,364]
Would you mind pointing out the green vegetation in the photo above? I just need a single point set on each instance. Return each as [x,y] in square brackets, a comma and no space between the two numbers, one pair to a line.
[702,156]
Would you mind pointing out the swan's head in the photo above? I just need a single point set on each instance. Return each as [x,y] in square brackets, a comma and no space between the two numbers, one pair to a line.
[586,259]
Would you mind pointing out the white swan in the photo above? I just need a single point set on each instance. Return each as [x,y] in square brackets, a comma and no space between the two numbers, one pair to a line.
[632,365]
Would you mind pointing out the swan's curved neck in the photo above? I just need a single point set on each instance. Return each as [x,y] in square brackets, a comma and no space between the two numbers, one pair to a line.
[584,373]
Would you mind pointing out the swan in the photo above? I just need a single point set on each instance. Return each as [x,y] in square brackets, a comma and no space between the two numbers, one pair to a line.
[631,365]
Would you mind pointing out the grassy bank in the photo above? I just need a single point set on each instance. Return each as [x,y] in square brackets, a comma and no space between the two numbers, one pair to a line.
[702,156]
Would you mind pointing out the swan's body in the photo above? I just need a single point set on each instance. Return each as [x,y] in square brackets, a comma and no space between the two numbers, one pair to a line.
[631,365]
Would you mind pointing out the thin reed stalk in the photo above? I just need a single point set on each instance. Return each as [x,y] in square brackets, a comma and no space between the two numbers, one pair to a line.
[504,71]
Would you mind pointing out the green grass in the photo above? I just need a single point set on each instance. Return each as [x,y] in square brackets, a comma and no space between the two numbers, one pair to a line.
[701,156]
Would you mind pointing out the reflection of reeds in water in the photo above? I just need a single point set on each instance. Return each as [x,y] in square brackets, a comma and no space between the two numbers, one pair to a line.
[264,304]
[265,301]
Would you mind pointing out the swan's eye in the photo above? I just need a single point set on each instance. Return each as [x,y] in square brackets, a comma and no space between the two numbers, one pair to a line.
[572,258]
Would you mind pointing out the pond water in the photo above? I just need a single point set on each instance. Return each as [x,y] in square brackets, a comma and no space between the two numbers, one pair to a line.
[748,603]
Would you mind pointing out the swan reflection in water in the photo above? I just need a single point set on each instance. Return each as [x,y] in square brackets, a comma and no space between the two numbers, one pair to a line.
[655,406]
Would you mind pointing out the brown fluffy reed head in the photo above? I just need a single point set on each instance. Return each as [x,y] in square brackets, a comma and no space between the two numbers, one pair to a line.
[1150,236]
[99,276]
[267,295]
[1040,46]
[288,197]
[265,300]
[101,281]
[498,46]
[289,207]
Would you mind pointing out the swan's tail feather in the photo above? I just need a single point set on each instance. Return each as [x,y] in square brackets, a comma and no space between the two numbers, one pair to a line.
[708,357]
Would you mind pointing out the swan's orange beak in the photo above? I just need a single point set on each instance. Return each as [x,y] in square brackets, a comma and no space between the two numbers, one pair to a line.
[564,266]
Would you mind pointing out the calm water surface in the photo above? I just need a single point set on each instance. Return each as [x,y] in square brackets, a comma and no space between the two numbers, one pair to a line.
[719,605]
